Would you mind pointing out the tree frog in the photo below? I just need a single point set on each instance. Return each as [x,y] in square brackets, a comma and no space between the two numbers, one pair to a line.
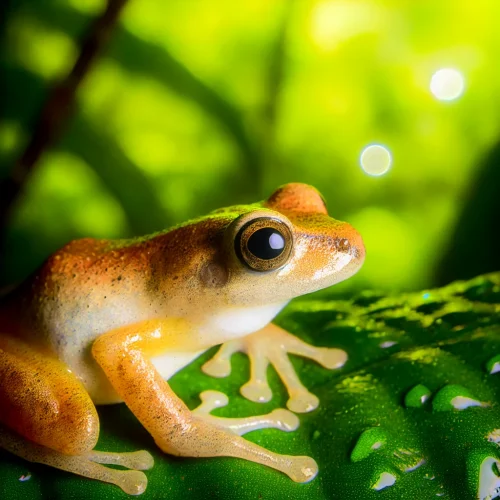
[108,321]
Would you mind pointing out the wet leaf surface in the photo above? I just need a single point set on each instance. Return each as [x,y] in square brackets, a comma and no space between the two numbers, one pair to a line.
[442,339]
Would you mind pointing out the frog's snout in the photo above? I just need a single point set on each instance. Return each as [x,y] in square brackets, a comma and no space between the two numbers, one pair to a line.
[349,241]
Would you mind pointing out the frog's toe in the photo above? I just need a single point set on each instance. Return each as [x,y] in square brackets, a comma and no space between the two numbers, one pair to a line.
[217,367]
[278,419]
[137,460]
[132,482]
[302,469]
[257,391]
[303,402]
[210,400]
[330,358]
[220,365]
[285,420]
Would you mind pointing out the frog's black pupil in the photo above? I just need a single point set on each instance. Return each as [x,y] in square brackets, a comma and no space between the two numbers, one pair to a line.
[266,243]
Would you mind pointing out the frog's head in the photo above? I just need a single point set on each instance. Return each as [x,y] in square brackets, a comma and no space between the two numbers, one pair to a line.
[288,246]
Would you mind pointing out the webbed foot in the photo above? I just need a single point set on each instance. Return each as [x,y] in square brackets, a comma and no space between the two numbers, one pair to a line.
[270,346]
[278,419]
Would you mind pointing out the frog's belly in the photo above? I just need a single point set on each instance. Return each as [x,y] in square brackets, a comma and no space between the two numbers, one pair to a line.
[222,327]
[169,364]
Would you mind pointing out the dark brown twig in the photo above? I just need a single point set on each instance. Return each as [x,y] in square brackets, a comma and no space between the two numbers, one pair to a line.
[57,110]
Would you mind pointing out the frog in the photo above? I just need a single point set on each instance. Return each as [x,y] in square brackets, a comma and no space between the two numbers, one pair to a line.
[110,321]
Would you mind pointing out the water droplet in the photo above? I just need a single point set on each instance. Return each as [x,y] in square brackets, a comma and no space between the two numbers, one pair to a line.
[385,479]
[489,482]
[316,434]
[454,397]
[408,460]
[415,466]
[387,344]
[370,440]
[417,396]
[493,365]
[462,403]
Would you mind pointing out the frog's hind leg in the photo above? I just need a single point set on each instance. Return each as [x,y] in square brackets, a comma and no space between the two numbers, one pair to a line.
[48,417]
[132,482]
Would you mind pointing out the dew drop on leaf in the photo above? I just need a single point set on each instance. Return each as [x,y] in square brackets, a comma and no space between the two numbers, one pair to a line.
[417,396]
[386,479]
[370,440]
[489,482]
[454,397]
[493,365]
[387,344]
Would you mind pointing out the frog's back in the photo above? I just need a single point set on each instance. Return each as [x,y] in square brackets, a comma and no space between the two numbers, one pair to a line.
[90,286]
[61,282]
[85,289]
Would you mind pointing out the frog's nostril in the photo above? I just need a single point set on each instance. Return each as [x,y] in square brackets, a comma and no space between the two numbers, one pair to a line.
[351,242]
[343,245]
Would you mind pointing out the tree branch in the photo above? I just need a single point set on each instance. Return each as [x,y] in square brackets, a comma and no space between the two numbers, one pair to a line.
[57,109]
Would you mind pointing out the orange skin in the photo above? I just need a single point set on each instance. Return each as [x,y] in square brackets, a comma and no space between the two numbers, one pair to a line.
[104,308]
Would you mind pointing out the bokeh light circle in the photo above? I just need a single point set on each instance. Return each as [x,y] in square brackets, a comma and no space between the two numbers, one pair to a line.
[447,84]
[375,160]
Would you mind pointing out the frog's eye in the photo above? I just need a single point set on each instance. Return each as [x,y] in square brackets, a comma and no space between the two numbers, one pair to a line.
[264,244]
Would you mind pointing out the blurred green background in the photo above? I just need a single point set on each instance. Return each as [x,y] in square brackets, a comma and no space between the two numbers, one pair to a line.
[194,105]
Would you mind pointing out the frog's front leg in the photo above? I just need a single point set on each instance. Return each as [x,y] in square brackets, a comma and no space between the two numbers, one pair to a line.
[271,345]
[124,355]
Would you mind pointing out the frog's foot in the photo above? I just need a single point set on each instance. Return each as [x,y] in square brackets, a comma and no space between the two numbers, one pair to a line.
[271,345]
[277,419]
[132,482]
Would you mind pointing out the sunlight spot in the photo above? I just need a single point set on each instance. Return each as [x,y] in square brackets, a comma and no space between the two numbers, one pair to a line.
[332,22]
[375,160]
[47,52]
[447,84]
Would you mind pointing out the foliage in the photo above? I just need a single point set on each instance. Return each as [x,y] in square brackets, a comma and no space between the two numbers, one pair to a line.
[196,105]
[363,430]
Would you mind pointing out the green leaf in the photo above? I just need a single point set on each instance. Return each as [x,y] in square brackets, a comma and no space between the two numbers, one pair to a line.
[441,339]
